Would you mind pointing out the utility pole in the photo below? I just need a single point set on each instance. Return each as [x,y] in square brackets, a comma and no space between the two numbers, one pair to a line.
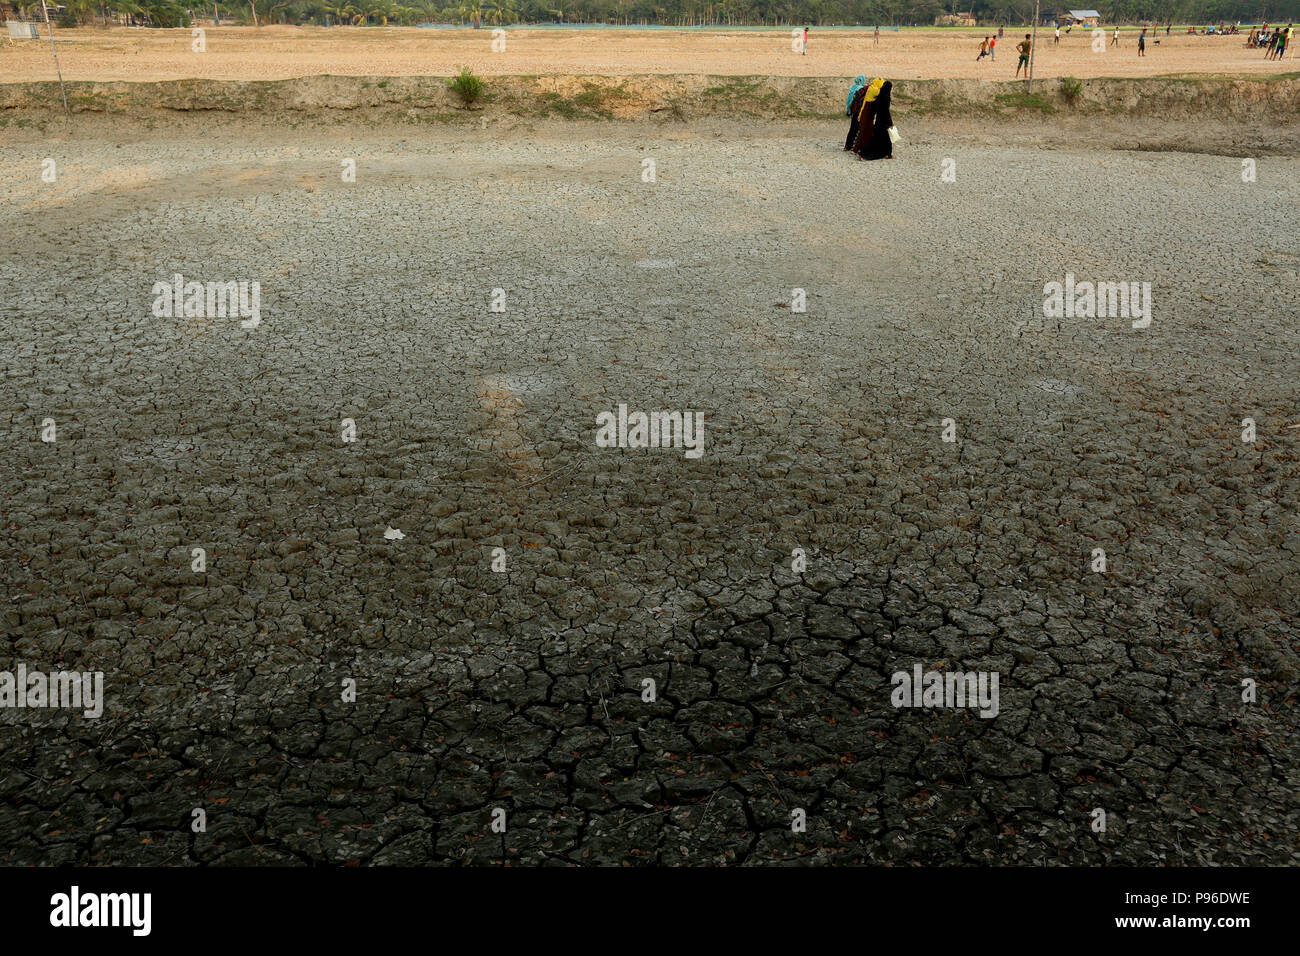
[49,28]
[1033,48]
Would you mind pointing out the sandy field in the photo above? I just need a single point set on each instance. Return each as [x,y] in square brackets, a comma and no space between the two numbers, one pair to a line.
[247,53]
[523,687]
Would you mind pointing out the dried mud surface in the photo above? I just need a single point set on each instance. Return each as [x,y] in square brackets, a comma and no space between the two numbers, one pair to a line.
[523,690]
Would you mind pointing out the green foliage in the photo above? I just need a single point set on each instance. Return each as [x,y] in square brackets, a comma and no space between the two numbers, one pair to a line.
[467,86]
[555,103]
[1070,89]
[1025,101]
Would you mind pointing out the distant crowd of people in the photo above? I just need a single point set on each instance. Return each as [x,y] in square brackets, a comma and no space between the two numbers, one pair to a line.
[1274,42]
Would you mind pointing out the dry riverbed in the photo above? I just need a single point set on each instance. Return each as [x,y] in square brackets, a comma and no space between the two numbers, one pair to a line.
[526,688]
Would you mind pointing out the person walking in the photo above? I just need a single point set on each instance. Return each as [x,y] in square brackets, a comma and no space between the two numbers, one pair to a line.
[859,82]
[851,107]
[1023,46]
[876,36]
[805,41]
[993,42]
[875,141]
[1114,40]
[1056,38]
[862,108]
[1142,42]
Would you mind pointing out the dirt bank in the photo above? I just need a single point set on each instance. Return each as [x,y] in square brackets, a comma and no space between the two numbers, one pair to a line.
[685,97]
[1227,115]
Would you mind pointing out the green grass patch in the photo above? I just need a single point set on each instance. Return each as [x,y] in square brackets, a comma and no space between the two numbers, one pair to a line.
[466,86]
[589,99]
[1025,101]
[734,86]
[553,102]
[1070,89]
[591,103]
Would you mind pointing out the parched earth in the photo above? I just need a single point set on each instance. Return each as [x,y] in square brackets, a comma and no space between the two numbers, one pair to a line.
[525,689]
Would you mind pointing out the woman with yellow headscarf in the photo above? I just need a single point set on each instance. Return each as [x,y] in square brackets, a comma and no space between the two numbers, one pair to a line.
[878,136]
[867,114]
[865,95]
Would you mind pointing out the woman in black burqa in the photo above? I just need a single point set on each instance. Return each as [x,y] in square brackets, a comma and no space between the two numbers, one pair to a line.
[860,106]
[873,133]
[855,107]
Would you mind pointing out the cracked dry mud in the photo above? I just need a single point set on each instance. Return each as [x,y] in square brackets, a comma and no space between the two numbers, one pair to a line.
[522,689]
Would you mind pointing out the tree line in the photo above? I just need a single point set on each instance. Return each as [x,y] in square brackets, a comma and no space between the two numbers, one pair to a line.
[180,13]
